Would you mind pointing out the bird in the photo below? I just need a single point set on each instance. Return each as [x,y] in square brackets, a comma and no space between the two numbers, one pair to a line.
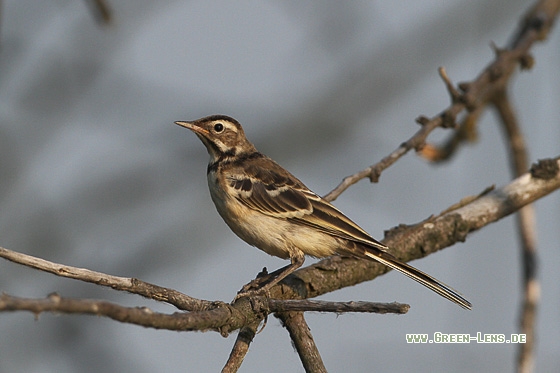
[269,208]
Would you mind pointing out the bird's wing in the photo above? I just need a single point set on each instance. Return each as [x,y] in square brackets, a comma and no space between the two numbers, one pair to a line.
[327,218]
[275,192]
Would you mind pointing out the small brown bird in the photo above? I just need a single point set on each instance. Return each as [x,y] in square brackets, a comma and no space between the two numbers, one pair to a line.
[271,209]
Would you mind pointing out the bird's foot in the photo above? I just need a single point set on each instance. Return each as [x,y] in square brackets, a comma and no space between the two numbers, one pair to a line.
[259,285]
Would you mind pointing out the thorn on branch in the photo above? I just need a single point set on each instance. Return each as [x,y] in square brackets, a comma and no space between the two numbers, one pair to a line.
[448,120]
[224,331]
[422,120]
[537,22]
[456,96]
[54,297]
[465,133]
[495,70]
[545,169]
[374,175]
[465,87]
[420,146]
[526,61]
[497,50]
[466,200]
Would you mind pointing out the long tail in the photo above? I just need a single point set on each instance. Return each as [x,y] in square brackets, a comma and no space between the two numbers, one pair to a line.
[417,275]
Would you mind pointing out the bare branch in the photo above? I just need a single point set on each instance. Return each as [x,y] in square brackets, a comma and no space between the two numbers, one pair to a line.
[466,132]
[143,316]
[325,276]
[330,274]
[434,234]
[303,341]
[131,285]
[536,26]
[374,171]
[240,348]
[527,234]
[276,305]
[408,242]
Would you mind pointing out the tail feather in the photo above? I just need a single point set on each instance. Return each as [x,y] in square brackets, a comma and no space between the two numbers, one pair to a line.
[417,275]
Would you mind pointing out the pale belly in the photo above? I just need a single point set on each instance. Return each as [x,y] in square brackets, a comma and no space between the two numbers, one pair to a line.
[275,236]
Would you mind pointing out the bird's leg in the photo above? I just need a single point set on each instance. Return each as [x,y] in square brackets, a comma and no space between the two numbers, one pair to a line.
[262,278]
[263,284]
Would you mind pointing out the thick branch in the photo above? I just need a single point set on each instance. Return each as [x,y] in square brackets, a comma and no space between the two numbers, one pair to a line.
[434,234]
[330,274]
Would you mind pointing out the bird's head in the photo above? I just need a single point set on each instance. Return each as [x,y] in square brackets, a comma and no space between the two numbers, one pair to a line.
[223,136]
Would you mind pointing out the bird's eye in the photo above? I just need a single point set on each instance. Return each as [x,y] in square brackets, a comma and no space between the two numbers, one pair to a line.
[218,127]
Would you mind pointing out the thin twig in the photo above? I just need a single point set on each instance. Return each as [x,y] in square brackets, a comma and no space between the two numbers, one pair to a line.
[277,305]
[240,348]
[131,285]
[467,132]
[143,316]
[537,24]
[374,171]
[303,341]
[527,235]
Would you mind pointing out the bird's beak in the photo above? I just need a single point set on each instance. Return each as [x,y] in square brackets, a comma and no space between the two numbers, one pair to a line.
[193,127]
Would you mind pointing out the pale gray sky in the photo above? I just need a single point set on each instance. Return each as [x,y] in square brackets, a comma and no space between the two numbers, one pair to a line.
[95,174]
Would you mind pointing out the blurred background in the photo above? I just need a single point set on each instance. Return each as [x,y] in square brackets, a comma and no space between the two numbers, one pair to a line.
[94,173]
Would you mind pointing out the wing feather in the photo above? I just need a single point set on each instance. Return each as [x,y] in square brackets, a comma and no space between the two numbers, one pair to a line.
[329,219]
[279,194]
